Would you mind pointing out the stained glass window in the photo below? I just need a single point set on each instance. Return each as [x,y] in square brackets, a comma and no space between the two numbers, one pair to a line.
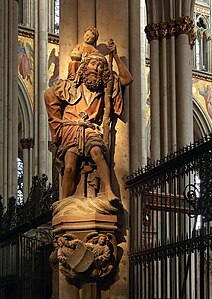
[203,1]
[201,58]
[56,16]
[20,174]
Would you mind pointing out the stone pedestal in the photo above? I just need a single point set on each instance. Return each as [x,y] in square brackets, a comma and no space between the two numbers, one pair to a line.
[80,224]
[83,224]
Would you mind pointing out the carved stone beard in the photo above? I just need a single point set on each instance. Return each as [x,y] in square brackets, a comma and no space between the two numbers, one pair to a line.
[93,81]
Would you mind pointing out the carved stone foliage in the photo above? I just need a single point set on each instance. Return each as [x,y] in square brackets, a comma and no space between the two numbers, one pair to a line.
[92,259]
[173,27]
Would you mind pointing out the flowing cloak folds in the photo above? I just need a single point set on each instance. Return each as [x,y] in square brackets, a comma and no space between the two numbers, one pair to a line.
[74,112]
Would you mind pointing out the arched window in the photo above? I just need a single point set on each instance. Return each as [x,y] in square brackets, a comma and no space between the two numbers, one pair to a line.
[26,13]
[20,177]
[202,124]
[56,16]
[204,1]
[202,49]
[20,12]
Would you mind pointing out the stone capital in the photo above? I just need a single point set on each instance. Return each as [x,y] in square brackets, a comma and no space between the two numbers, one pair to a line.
[172,27]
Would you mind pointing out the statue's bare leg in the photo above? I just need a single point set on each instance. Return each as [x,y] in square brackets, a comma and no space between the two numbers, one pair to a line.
[103,172]
[69,180]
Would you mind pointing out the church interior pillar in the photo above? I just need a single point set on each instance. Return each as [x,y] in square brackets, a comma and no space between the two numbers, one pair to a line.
[8,98]
[42,161]
[184,91]
[171,88]
[137,92]
[170,27]
[155,99]
[68,33]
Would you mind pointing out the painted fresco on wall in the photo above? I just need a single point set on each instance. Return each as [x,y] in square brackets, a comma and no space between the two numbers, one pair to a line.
[25,60]
[26,64]
[202,92]
[147,94]
[53,63]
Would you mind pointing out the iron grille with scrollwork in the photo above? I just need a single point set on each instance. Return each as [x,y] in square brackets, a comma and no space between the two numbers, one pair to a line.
[21,217]
[26,243]
[171,231]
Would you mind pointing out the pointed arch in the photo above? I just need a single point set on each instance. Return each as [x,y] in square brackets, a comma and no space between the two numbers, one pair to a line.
[26,134]
[25,111]
[202,124]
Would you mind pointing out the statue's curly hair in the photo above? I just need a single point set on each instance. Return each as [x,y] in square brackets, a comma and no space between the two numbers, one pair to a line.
[94,30]
[83,68]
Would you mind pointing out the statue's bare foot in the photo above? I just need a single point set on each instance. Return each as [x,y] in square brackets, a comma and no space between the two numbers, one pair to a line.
[112,198]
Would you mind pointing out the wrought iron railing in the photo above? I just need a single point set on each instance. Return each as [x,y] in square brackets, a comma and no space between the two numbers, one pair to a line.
[19,218]
[24,251]
[171,235]
[23,269]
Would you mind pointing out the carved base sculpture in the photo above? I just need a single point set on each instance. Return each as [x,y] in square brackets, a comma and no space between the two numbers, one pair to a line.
[87,260]
[86,231]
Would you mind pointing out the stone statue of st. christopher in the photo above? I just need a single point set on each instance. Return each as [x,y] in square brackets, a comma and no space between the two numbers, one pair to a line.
[77,109]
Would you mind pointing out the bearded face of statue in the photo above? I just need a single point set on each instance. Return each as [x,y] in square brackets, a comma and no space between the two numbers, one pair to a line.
[93,82]
[92,76]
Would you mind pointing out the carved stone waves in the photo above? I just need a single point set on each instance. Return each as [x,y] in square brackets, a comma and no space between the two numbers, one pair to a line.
[83,206]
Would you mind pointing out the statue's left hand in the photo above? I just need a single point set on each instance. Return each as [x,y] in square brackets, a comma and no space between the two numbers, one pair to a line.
[111,47]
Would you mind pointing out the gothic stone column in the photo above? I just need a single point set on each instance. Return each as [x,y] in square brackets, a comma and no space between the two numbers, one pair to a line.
[170,34]
[42,159]
[8,98]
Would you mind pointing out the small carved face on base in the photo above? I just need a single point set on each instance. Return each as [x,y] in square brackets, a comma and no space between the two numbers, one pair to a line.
[102,240]
[90,260]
